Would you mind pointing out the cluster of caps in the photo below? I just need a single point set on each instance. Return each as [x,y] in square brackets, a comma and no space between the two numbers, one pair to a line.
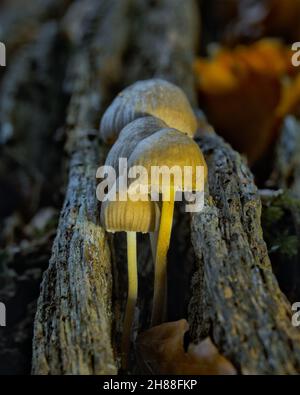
[150,123]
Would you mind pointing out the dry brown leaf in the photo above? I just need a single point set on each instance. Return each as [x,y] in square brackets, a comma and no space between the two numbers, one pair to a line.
[161,349]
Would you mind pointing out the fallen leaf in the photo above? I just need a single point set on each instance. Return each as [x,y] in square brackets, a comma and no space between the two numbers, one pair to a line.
[161,351]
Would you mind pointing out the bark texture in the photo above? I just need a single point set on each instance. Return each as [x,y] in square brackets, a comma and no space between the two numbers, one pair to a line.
[31,114]
[73,322]
[234,294]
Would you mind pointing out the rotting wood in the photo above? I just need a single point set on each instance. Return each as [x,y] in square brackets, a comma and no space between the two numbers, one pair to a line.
[234,206]
[234,294]
[164,37]
[21,24]
[73,322]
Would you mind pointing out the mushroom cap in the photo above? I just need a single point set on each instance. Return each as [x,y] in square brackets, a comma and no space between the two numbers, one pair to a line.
[130,216]
[167,149]
[129,138]
[155,97]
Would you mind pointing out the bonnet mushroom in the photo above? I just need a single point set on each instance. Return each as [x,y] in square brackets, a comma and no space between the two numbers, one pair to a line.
[172,150]
[129,138]
[130,217]
[155,97]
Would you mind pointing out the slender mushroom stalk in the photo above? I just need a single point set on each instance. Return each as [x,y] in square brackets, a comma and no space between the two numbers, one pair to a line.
[131,217]
[131,296]
[167,149]
[160,269]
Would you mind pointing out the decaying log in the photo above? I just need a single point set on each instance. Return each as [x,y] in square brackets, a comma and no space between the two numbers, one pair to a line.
[20,24]
[230,221]
[31,156]
[235,293]
[234,191]
[73,321]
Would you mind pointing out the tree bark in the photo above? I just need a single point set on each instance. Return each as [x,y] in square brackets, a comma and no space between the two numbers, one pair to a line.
[21,25]
[234,293]
[73,322]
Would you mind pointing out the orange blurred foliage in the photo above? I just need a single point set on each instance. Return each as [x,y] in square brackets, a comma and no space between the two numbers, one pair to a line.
[290,102]
[240,90]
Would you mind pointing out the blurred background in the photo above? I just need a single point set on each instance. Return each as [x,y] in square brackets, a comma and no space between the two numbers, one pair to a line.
[247,87]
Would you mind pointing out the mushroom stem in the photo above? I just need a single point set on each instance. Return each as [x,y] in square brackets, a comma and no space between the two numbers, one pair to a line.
[131,297]
[160,271]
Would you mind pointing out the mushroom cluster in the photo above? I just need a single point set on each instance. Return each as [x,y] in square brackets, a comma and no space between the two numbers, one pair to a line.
[151,124]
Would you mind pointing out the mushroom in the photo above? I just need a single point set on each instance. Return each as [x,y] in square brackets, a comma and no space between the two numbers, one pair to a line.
[131,217]
[155,97]
[129,138]
[167,149]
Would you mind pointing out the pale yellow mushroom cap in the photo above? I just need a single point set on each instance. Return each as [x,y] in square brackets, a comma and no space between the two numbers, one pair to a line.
[155,97]
[130,216]
[129,138]
[171,150]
